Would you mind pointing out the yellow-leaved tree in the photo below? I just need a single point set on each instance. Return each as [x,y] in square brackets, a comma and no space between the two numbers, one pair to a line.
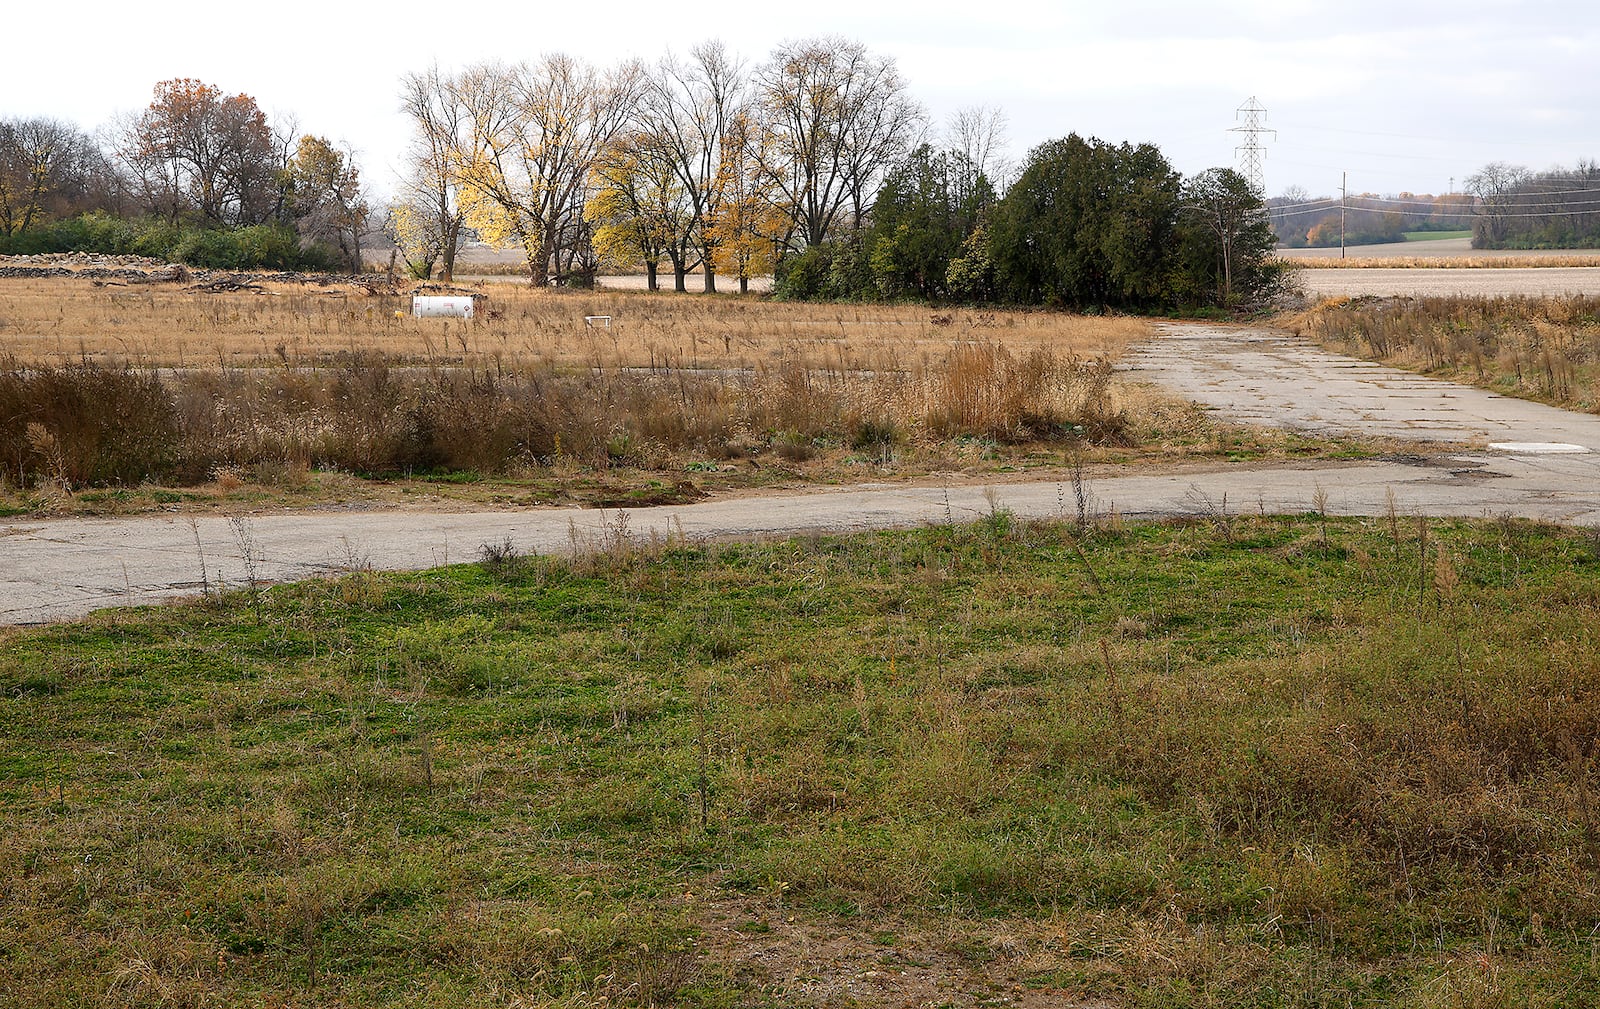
[526,156]
[749,224]
[415,232]
[326,198]
[638,208]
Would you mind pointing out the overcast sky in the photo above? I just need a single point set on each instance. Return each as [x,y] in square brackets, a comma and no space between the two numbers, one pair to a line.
[1406,96]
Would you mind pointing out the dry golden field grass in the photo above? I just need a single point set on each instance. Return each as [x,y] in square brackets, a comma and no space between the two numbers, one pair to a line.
[1545,349]
[67,320]
[128,397]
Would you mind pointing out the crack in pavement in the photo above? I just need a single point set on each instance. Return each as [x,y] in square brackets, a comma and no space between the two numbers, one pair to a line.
[65,568]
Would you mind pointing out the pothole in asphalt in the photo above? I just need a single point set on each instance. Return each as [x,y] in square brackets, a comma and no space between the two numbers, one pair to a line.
[1537,447]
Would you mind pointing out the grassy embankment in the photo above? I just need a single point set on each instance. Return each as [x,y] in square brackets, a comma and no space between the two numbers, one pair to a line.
[153,396]
[1546,349]
[1228,762]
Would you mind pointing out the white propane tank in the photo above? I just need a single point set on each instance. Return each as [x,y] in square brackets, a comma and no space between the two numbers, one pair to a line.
[434,307]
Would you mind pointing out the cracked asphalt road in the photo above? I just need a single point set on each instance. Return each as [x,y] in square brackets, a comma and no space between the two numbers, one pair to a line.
[1268,377]
[54,569]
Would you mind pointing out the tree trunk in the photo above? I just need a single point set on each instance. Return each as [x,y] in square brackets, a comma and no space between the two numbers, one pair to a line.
[452,235]
[650,276]
[538,254]
[677,276]
[744,284]
[711,277]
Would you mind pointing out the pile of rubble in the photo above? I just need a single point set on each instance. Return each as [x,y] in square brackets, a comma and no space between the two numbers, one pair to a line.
[123,270]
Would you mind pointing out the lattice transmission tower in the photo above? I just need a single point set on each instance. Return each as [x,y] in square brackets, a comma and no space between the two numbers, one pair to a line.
[1252,154]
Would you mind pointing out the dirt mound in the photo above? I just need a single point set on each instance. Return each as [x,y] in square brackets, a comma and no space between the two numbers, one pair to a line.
[125,270]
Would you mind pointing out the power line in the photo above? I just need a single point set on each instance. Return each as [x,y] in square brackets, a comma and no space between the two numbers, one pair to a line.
[1423,136]
[1521,199]
[1252,153]
[1333,205]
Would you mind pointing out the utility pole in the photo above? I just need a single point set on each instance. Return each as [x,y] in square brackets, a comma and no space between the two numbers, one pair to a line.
[1344,186]
[1252,154]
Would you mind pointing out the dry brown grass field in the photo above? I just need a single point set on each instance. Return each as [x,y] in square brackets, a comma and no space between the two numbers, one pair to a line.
[127,396]
[62,321]
[1545,349]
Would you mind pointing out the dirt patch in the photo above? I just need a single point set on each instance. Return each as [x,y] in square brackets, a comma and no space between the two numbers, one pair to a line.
[886,961]
[680,492]
[121,271]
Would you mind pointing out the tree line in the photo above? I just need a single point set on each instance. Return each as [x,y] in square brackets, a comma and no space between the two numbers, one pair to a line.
[700,163]
[197,176]
[1505,206]
[1523,209]
[815,164]
[1302,221]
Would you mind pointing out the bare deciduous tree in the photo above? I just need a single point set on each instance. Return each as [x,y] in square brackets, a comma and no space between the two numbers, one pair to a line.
[425,223]
[686,107]
[1496,189]
[979,133]
[836,118]
[47,167]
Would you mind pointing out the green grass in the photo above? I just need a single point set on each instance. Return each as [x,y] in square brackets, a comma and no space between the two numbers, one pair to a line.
[1224,762]
[1435,236]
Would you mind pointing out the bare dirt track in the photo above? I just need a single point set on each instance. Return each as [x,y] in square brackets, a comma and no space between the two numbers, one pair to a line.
[53,569]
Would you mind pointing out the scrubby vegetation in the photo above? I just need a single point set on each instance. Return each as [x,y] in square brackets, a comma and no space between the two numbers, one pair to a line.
[1230,761]
[84,425]
[1536,348]
[155,383]
[261,246]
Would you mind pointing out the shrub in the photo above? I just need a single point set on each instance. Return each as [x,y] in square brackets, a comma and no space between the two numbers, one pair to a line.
[833,271]
[261,246]
[84,425]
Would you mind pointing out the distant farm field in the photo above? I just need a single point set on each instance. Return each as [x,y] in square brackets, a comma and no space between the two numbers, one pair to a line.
[1447,249]
[1434,281]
